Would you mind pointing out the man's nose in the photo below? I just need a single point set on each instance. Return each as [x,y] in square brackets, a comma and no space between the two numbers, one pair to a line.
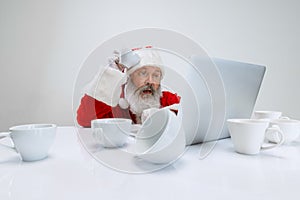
[149,80]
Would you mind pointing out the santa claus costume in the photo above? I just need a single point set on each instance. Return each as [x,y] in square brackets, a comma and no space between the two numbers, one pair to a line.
[106,95]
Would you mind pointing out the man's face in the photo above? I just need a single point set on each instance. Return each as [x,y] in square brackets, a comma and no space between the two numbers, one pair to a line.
[147,80]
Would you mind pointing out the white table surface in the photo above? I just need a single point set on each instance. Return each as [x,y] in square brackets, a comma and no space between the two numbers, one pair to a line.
[70,172]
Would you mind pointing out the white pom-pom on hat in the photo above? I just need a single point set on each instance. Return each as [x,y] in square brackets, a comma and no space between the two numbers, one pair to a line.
[123,103]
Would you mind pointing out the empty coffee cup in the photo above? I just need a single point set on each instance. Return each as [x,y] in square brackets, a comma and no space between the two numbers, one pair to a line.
[32,141]
[111,132]
[248,135]
[289,127]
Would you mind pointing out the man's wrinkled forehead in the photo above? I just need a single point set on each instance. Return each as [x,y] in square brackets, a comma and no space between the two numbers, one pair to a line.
[153,69]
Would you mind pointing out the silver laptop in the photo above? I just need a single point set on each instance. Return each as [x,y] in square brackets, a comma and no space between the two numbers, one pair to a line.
[241,83]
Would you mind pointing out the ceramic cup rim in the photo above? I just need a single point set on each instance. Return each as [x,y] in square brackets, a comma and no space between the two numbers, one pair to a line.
[32,127]
[248,121]
[285,121]
[111,121]
[267,112]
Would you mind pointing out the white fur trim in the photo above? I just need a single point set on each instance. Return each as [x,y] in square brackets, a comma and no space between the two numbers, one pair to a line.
[106,86]
[148,57]
[123,103]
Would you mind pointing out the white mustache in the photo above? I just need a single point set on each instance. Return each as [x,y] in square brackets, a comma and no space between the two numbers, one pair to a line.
[145,87]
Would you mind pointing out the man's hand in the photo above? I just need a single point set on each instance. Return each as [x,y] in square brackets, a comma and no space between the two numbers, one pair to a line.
[114,61]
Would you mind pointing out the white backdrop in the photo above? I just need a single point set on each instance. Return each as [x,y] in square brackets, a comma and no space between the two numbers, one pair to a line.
[44,43]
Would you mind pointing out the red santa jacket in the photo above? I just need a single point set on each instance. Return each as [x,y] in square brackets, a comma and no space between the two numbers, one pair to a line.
[91,109]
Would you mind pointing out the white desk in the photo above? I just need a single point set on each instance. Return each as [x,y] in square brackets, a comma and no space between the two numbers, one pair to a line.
[72,173]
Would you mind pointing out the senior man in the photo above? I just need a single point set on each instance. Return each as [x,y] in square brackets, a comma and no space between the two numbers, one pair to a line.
[130,86]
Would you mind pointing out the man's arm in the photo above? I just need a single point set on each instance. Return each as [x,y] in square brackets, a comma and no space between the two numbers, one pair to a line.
[90,109]
[169,98]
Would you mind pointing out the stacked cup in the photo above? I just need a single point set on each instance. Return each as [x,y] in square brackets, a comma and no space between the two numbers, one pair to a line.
[248,135]
[289,127]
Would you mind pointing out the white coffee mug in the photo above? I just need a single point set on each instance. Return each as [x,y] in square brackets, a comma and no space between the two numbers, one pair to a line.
[111,132]
[31,141]
[248,135]
[267,114]
[289,127]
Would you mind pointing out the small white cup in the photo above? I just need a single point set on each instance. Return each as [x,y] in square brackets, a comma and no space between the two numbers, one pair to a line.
[267,114]
[248,135]
[111,132]
[129,59]
[289,127]
[32,141]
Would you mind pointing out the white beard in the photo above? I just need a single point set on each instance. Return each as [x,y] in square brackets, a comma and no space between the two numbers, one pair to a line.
[137,103]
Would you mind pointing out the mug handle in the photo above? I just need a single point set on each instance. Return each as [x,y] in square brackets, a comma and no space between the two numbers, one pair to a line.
[274,129]
[4,135]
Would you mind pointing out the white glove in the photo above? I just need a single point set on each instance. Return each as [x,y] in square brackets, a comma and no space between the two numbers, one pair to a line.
[112,61]
[106,86]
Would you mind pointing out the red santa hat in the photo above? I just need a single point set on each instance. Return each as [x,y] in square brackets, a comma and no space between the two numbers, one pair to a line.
[136,59]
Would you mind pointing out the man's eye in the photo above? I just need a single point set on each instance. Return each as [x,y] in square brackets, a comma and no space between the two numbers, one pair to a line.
[143,73]
[156,76]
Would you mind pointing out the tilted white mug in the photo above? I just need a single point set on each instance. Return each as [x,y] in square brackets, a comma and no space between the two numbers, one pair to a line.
[248,135]
[31,141]
[161,139]
[111,132]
